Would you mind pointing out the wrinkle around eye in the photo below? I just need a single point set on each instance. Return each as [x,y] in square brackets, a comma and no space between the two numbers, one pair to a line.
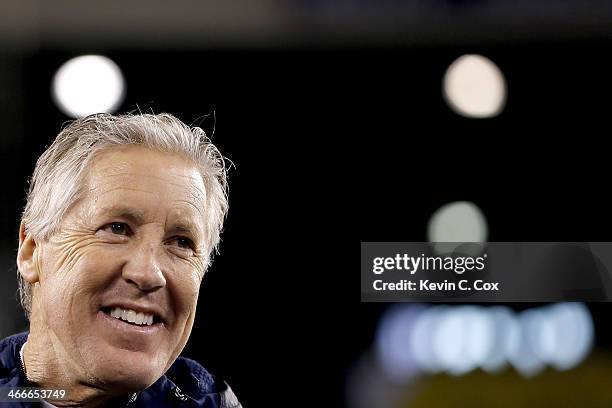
[108,236]
[182,252]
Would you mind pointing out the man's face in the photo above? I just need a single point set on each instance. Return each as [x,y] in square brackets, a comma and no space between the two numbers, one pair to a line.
[132,244]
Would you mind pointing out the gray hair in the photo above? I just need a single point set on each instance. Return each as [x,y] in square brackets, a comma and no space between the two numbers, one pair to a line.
[56,182]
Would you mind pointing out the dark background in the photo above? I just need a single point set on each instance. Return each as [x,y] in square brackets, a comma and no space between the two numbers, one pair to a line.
[336,146]
[336,143]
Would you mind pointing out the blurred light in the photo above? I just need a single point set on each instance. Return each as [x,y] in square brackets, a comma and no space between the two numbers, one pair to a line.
[480,334]
[393,342]
[524,357]
[449,341]
[571,327]
[88,84]
[547,341]
[421,344]
[463,339]
[506,337]
[458,339]
[474,87]
[459,221]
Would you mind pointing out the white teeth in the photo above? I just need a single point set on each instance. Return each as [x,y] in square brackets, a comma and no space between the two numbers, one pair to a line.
[132,316]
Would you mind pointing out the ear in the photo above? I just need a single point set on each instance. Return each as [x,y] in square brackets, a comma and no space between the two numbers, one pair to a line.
[25,255]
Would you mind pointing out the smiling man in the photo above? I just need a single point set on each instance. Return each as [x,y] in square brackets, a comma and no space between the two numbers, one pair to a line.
[122,217]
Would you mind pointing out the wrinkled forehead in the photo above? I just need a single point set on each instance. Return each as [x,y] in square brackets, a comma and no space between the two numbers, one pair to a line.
[142,180]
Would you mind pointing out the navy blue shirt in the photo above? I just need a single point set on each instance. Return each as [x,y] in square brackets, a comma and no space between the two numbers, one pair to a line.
[186,384]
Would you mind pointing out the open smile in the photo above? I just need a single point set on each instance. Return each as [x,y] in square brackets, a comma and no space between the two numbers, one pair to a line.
[132,316]
[131,321]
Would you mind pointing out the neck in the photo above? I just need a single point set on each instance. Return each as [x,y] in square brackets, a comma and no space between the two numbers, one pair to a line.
[48,366]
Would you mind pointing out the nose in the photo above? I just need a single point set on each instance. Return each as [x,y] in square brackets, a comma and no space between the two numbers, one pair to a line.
[143,269]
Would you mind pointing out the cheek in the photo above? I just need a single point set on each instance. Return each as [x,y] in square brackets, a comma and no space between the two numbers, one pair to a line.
[76,278]
[97,268]
[185,289]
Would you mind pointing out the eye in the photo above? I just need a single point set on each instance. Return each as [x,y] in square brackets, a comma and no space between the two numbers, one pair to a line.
[117,228]
[184,243]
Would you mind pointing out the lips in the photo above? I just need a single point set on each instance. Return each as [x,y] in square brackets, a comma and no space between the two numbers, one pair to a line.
[128,335]
[134,314]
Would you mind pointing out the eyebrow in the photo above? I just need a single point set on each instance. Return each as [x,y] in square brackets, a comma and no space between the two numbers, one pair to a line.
[186,226]
[132,214]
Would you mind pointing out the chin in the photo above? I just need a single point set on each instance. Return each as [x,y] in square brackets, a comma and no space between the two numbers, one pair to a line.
[126,371]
